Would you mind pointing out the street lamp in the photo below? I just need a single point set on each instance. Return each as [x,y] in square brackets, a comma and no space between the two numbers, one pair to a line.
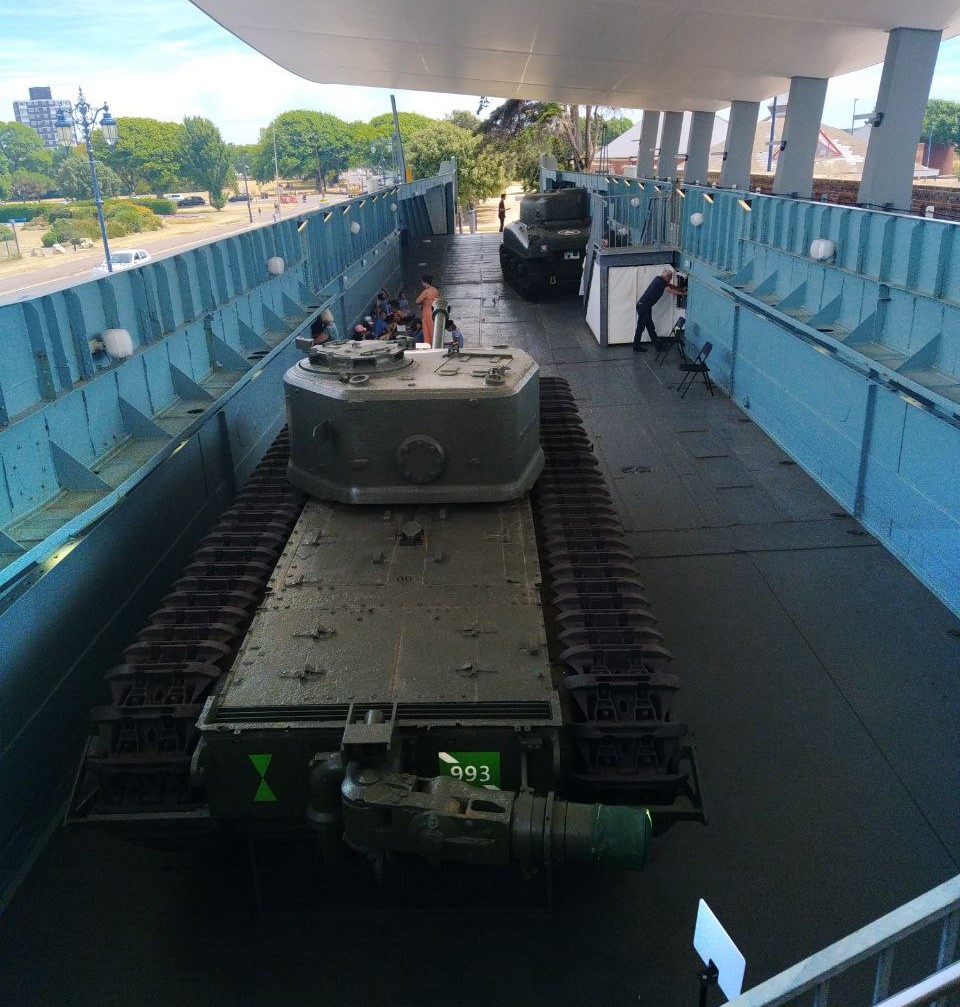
[86,117]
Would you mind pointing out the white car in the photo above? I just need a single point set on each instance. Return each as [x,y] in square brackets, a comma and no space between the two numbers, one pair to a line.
[127,258]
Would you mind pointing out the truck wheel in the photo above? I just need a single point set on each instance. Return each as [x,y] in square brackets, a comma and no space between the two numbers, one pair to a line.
[524,284]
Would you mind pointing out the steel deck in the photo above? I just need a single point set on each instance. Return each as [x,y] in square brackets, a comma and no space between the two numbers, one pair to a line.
[818,675]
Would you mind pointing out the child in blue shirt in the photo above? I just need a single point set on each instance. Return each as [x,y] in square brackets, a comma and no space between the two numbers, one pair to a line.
[453,335]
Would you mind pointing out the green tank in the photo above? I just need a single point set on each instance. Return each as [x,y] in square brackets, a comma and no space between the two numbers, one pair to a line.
[545,248]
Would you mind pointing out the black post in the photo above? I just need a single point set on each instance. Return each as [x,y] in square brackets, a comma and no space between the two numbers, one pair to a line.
[708,977]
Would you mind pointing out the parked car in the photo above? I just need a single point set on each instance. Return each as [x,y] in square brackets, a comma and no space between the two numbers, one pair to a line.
[239,197]
[126,258]
[175,196]
[192,201]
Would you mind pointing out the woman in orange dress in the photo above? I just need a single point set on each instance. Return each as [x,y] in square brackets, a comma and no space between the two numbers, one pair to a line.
[427,296]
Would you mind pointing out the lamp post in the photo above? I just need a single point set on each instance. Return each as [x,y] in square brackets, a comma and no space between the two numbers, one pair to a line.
[245,168]
[86,117]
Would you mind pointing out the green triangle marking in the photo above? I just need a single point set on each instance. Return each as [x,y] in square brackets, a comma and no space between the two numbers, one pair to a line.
[264,793]
[261,762]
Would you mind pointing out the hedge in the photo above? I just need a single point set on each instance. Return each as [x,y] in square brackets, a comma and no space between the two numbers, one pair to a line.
[21,211]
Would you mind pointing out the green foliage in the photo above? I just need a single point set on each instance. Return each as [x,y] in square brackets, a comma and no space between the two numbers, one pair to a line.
[204,158]
[30,184]
[522,154]
[74,179]
[464,119]
[480,170]
[309,145]
[22,149]
[6,233]
[163,207]
[942,119]
[65,231]
[614,127]
[22,211]
[4,186]
[146,155]
[130,217]
[410,123]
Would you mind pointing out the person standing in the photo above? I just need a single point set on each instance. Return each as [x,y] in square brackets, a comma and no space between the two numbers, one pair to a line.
[502,209]
[648,299]
[427,296]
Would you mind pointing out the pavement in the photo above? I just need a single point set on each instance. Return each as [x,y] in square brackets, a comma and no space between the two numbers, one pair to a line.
[818,676]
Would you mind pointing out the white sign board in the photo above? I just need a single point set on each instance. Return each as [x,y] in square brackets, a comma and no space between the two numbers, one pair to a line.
[713,944]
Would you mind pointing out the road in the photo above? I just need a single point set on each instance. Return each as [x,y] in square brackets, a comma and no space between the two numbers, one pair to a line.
[47,275]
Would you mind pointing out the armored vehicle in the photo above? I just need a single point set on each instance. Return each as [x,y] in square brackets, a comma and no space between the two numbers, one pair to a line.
[417,633]
[545,247]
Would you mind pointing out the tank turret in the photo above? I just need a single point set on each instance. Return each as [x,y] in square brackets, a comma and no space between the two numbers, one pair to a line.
[371,423]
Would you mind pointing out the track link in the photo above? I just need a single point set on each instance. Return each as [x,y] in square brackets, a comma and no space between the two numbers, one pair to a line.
[139,760]
[615,668]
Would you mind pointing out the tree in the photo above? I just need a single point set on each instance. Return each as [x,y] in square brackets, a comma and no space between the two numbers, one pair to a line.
[146,155]
[30,184]
[613,127]
[22,148]
[204,158]
[580,132]
[942,121]
[308,144]
[479,169]
[74,180]
[410,123]
[462,118]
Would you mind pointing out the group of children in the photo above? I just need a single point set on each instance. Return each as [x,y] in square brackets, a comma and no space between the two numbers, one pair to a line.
[390,318]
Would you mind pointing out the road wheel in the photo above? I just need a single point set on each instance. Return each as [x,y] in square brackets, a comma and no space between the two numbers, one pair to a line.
[523,283]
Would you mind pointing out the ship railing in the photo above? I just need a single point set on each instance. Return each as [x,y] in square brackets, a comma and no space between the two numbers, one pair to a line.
[876,945]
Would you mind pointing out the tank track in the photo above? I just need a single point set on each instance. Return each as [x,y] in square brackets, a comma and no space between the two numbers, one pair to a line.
[604,638]
[140,758]
[624,746]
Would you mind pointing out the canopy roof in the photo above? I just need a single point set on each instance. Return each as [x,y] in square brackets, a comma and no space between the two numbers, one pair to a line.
[666,54]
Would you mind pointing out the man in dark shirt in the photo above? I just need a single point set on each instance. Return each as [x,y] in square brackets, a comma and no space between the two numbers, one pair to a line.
[502,209]
[648,299]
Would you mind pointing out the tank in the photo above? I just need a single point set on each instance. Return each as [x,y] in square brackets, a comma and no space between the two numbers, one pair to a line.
[545,248]
[416,634]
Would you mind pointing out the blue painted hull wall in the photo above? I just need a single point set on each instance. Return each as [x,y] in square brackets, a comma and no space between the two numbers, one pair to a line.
[851,363]
[111,471]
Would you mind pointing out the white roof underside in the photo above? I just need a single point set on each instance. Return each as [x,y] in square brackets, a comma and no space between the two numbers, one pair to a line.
[666,54]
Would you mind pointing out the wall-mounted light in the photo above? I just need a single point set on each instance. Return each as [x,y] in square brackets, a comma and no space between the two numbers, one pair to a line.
[118,343]
[275,265]
[681,193]
[696,219]
[302,225]
[355,227]
[707,198]
[346,209]
[745,204]
[822,249]
[782,146]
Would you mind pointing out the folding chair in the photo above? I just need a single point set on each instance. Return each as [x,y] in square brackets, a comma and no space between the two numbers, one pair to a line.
[693,368]
[673,338]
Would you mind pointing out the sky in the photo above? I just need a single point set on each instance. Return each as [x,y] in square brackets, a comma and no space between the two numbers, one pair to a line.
[165,59]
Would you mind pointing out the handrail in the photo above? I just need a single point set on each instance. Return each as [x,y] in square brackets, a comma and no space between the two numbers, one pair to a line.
[817,970]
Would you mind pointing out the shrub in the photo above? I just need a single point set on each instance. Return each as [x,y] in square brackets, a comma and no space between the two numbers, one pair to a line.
[21,211]
[163,207]
[133,217]
[66,231]
[48,239]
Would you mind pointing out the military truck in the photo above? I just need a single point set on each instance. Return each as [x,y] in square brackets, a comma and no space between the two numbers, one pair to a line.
[545,248]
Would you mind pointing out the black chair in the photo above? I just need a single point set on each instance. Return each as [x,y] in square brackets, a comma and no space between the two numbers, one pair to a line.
[673,338]
[694,367]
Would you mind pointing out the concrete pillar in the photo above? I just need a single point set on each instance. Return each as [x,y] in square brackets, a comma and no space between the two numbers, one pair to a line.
[801,130]
[902,98]
[669,144]
[741,134]
[647,148]
[698,147]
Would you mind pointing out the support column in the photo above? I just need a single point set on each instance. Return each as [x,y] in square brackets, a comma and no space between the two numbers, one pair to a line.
[904,88]
[697,164]
[669,144]
[741,134]
[647,148]
[801,131]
